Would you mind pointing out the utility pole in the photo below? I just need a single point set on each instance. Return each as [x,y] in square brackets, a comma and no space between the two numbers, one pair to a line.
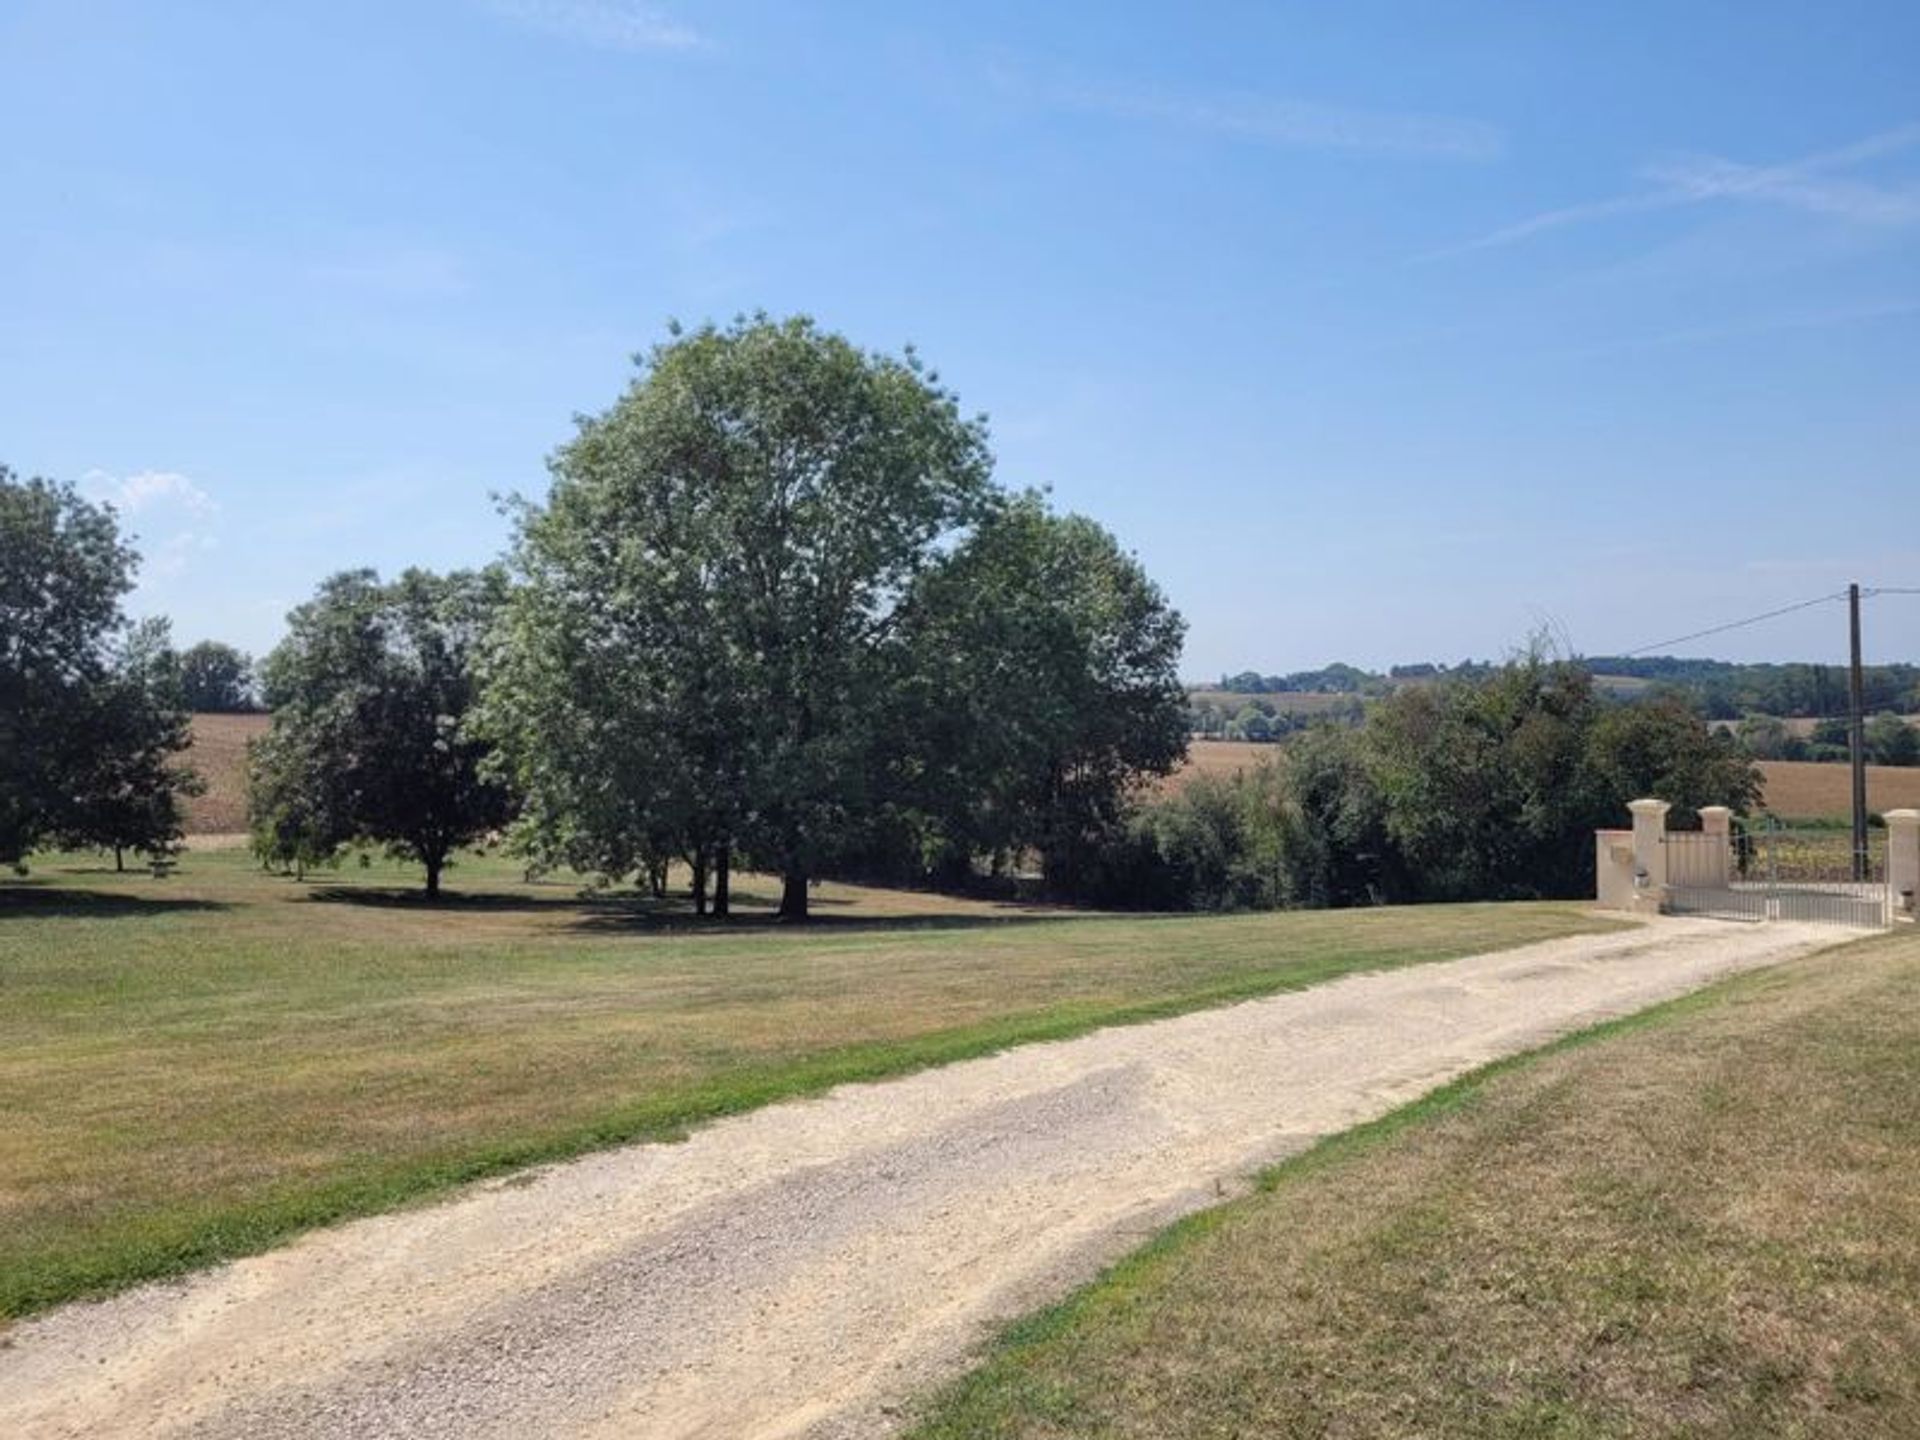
[1857,739]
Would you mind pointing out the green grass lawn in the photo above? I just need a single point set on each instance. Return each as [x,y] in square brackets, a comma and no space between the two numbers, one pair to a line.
[1704,1221]
[197,1067]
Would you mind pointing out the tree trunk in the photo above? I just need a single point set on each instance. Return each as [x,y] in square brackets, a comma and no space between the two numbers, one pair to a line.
[119,860]
[434,863]
[722,881]
[699,882]
[793,895]
[657,878]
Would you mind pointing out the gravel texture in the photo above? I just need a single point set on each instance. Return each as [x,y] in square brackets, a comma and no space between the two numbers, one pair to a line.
[807,1269]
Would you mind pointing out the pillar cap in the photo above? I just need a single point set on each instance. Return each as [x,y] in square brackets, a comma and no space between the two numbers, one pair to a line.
[1716,810]
[1902,817]
[1649,807]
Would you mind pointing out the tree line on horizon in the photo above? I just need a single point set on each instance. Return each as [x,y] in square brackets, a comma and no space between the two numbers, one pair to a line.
[775,612]
[1263,714]
[1719,689]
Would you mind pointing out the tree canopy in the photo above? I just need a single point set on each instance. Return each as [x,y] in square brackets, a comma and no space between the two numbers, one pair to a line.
[1046,664]
[90,714]
[127,783]
[216,678]
[697,657]
[371,692]
[774,609]
[1481,788]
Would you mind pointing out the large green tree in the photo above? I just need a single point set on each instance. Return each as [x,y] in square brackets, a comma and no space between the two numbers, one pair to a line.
[371,692]
[86,723]
[700,654]
[1046,666]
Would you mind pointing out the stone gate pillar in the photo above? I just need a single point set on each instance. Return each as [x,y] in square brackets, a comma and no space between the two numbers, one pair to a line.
[1716,822]
[1903,862]
[1649,855]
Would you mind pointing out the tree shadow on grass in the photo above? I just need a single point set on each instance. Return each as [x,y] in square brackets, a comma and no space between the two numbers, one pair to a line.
[627,913]
[35,898]
[766,922]
[412,897]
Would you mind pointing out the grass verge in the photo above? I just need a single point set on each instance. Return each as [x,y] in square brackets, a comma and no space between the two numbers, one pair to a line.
[1700,1220]
[200,1067]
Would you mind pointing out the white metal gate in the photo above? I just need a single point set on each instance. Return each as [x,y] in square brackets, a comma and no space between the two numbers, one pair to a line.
[1766,871]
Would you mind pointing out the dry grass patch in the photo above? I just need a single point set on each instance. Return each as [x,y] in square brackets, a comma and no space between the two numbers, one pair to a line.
[1702,1223]
[197,1067]
[219,754]
[1223,758]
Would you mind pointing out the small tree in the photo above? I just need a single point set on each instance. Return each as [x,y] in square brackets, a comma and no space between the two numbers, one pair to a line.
[1765,737]
[126,787]
[1832,733]
[1892,741]
[296,817]
[372,689]
[1327,822]
[216,679]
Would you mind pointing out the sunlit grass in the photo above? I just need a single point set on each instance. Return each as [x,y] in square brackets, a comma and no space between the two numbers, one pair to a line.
[1704,1221]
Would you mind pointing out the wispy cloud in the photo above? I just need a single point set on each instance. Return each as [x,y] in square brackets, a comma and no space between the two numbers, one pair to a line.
[1808,184]
[166,500]
[606,24]
[1707,177]
[1277,121]
[1568,215]
[148,490]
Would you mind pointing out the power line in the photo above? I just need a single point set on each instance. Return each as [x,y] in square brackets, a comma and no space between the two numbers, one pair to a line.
[1737,624]
[1890,590]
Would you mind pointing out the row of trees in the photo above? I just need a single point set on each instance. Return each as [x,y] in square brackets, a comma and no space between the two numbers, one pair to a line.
[1725,690]
[1261,720]
[93,715]
[1890,740]
[1484,788]
[1335,679]
[774,611]
[1719,689]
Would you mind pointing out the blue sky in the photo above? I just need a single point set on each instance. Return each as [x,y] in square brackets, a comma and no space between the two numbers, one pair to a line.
[1380,332]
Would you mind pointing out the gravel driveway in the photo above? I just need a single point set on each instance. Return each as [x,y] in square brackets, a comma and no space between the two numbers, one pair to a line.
[805,1269]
